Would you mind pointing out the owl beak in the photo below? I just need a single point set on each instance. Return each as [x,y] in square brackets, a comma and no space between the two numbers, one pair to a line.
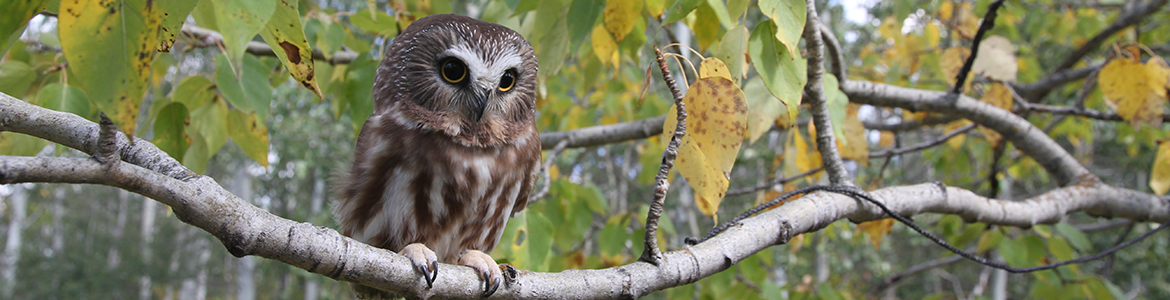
[478,106]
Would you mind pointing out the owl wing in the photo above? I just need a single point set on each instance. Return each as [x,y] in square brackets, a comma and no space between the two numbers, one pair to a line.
[532,162]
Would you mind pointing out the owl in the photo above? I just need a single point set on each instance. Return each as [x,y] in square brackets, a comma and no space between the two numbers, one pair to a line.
[451,150]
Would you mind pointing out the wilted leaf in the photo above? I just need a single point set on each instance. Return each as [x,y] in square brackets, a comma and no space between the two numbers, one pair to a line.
[249,132]
[877,229]
[285,34]
[110,46]
[1137,91]
[1160,175]
[996,59]
[788,16]
[716,122]
[886,140]
[782,72]
[620,16]
[999,96]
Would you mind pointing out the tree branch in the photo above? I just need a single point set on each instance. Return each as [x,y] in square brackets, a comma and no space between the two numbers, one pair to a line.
[208,38]
[604,134]
[1126,19]
[1029,139]
[826,142]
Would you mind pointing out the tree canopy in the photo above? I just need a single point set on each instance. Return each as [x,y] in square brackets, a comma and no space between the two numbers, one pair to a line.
[1028,133]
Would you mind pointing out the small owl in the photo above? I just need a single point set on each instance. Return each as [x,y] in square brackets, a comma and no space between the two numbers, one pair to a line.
[451,150]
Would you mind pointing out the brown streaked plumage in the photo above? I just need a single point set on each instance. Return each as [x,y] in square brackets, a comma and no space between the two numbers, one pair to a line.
[447,157]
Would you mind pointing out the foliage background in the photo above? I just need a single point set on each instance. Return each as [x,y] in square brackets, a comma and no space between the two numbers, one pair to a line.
[98,242]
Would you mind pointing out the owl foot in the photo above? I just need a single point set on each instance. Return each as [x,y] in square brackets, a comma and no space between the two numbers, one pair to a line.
[424,260]
[487,269]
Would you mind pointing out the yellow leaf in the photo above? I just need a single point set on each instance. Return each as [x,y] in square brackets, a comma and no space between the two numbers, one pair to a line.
[946,10]
[713,67]
[620,17]
[966,23]
[1137,91]
[876,230]
[932,35]
[716,122]
[794,244]
[1160,175]
[284,34]
[996,60]
[805,157]
[951,61]
[853,144]
[705,25]
[956,142]
[999,96]
[604,47]
[886,140]
[655,7]
[890,28]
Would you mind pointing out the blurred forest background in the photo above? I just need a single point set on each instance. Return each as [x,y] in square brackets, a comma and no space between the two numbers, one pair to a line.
[95,242]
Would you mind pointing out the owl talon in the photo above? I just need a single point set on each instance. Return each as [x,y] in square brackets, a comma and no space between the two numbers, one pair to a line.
[424,260]
[487,268]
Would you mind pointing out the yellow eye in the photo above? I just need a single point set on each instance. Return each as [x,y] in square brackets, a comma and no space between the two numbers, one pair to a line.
[453,70]
[508,80]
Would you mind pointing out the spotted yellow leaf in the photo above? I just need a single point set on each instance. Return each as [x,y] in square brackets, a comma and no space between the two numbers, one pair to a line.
[716,122]
[620,17]
[713,67]
[1136,90]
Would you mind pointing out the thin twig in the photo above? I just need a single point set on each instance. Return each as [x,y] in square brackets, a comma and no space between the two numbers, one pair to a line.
[1124,20]
[833,47]
[924,145]
[1087,87]
[988,23]
[651,253]
[544,170]
[773,183]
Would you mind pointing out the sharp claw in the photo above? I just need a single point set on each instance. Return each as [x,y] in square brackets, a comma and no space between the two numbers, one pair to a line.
[489,287]
[434,274]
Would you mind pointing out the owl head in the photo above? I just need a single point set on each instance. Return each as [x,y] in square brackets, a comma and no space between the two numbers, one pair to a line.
[471,80]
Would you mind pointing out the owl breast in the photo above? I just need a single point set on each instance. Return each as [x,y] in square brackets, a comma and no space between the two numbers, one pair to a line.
[419,186]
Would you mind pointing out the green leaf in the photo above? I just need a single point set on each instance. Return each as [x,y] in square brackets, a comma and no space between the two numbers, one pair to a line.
[783,72]
[720,10]
[540,239]
[581,20]
[249,132]
[612,238]
[286,36]
[193,91]
[763,109]
[732,50]
[110,46]
[837,103]
[789,17]
[680,9]
[197,155]
[358,84]
[1060,249]
[239,22]
[552,37]
[330,38]
[15,77]
[593,198]
[169,130]
[174,13]
[18,144]
[204,15]
[380,23]
[66,98]
[17,13]
[969,233]
[736,8]
[705,25]
[209,122]
[252,92]
[1075,236]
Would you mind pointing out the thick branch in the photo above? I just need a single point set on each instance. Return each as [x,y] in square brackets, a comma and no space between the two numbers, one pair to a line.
[1029,139]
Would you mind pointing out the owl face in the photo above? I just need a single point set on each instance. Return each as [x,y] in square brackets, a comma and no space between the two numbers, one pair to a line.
[471,80]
